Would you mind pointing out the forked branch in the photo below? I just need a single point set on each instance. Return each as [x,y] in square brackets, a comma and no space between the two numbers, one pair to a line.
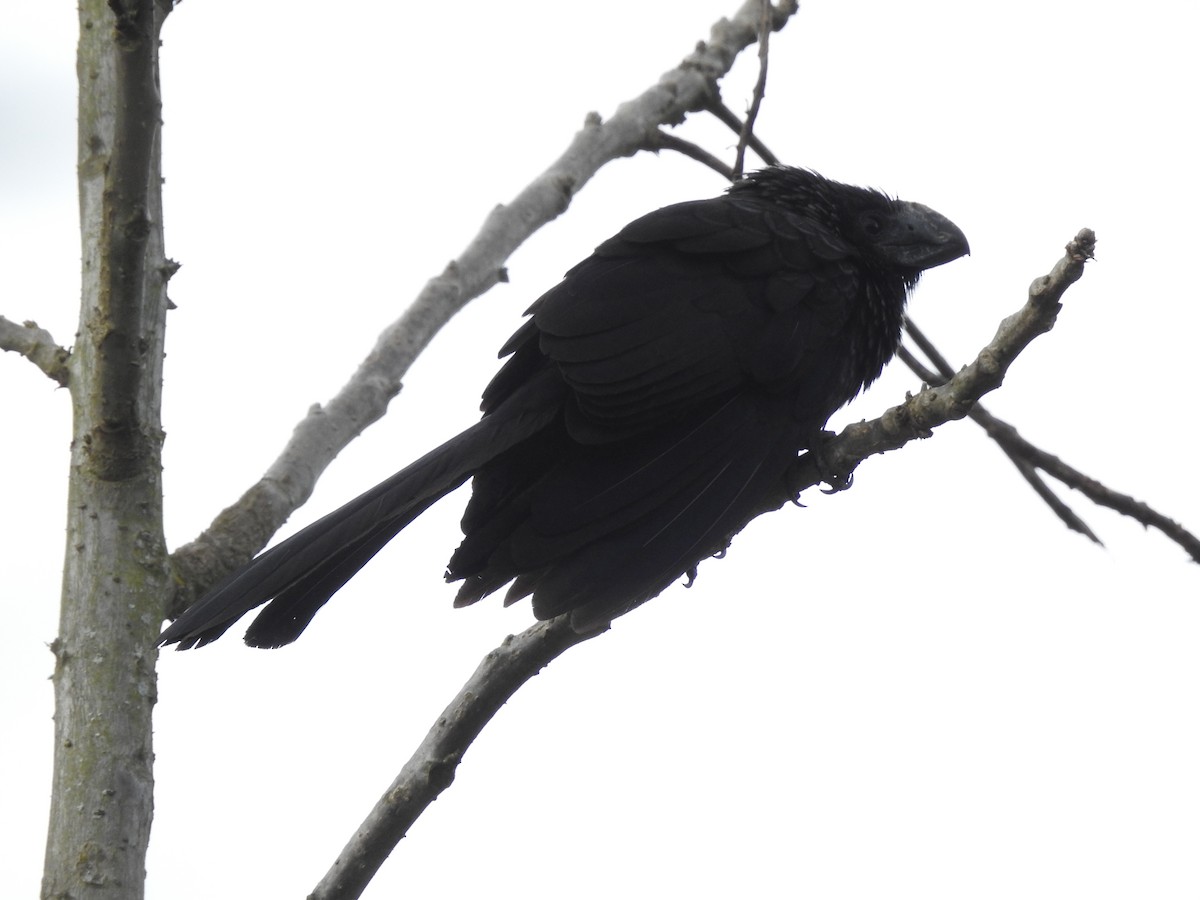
[1032,461]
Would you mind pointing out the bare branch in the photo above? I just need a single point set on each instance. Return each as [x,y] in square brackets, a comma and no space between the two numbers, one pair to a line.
[38,346]
[432,767]
[244,528]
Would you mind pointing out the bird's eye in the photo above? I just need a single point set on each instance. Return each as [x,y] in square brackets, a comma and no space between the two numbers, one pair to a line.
[871,224]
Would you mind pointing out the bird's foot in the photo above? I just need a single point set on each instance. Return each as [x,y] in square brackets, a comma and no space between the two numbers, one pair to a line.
[837,481]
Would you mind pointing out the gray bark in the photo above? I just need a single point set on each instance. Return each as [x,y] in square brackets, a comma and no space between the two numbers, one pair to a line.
[115,580]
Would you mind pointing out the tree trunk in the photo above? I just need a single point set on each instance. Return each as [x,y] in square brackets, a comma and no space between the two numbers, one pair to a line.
[116,578]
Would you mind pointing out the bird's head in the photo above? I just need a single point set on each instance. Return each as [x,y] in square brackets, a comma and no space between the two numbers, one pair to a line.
[907,236]
[895,234]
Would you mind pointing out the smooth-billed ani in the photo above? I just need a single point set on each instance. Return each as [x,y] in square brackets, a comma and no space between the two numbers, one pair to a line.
[650,403]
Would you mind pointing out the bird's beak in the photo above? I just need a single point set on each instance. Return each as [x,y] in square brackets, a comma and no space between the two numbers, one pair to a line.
[921,238]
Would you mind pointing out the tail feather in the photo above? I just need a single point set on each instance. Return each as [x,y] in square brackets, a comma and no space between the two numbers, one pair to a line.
[282,621]
[300,574]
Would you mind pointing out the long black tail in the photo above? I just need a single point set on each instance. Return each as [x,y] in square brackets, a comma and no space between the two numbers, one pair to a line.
[300,574]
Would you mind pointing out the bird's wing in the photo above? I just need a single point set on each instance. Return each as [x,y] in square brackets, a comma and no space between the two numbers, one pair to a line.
[686,305]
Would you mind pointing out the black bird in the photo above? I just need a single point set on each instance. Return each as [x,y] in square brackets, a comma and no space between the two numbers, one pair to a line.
[650,403]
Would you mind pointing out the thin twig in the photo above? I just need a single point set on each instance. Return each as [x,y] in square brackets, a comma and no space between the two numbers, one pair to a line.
[38,346]
[945,370]
[760,90]
[1105,497]
[730,118]
[662,140]
[1007,436]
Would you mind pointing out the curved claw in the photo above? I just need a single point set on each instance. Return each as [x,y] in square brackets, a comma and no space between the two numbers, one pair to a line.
[837,483]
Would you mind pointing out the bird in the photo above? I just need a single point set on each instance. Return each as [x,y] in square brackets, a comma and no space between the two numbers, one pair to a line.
[647,406]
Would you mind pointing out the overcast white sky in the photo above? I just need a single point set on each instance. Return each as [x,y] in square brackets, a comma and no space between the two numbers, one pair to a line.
[921,687]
